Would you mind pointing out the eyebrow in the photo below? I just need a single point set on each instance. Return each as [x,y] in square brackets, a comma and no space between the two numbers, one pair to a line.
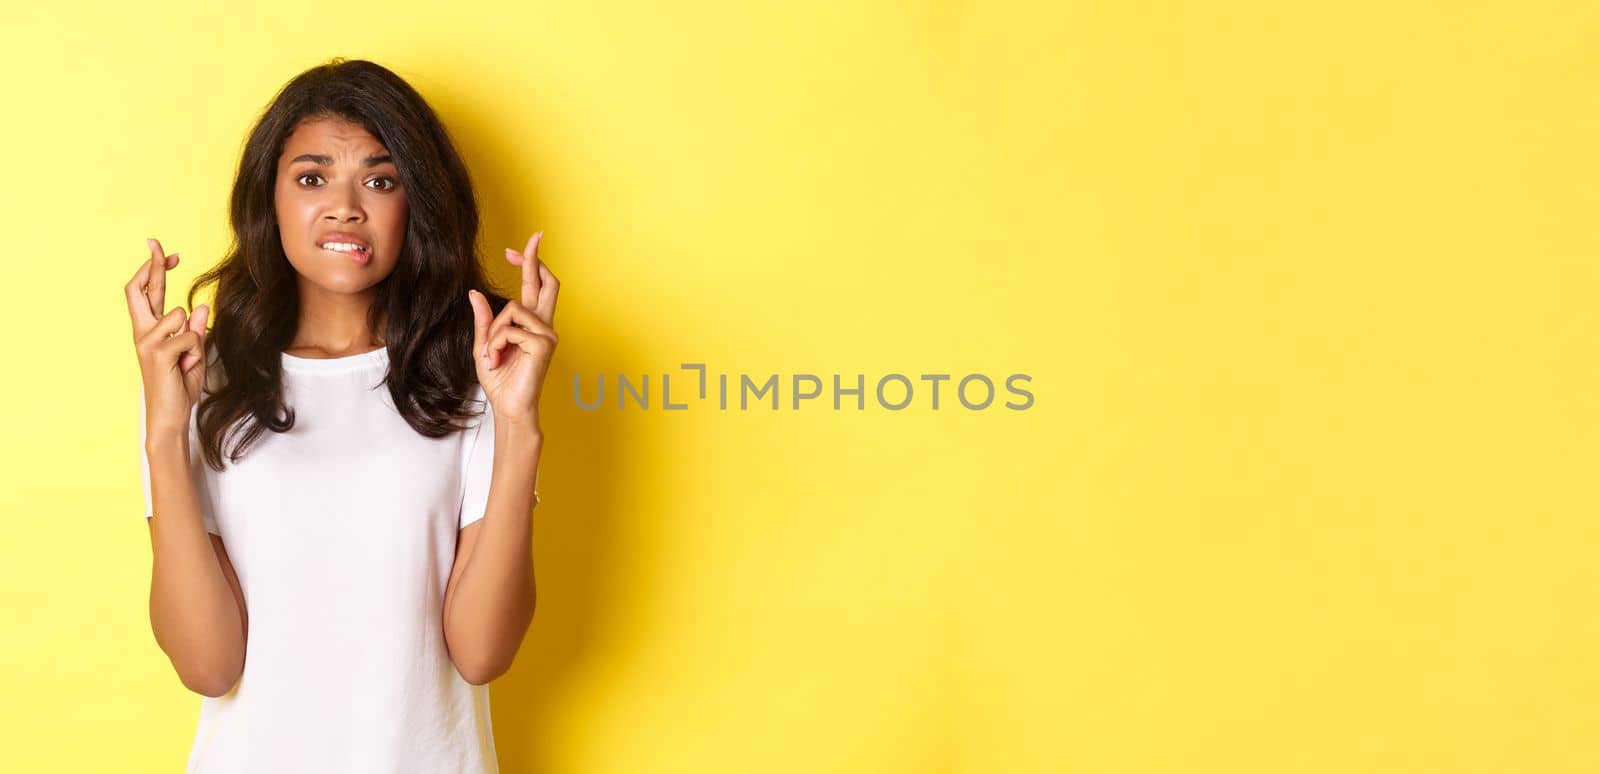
[327,161]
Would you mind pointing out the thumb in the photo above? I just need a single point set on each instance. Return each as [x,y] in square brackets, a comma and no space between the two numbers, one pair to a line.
[197,323]
[482,316]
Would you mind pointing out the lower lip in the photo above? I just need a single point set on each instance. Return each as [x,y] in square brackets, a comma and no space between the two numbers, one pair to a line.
[354,255]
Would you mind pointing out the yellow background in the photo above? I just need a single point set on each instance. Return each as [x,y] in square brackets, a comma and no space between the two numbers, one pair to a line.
[1307,295]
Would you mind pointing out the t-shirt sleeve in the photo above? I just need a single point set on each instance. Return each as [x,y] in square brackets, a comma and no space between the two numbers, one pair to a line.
[477,462]
[197,469]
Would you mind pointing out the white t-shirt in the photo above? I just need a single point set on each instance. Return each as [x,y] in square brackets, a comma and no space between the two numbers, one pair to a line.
[343,532]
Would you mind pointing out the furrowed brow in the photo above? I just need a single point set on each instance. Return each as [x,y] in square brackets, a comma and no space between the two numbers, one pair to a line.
[327,161]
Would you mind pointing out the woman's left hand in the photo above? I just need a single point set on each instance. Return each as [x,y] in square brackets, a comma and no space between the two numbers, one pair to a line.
[512,349]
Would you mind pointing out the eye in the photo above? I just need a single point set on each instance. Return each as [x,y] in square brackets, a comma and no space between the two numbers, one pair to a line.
[391,181]
[299,177]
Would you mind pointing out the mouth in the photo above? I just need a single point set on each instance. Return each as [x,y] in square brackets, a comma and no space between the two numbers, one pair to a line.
[355,251]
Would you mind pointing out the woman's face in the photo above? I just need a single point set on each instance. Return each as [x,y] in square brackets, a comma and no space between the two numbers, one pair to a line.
[336,179]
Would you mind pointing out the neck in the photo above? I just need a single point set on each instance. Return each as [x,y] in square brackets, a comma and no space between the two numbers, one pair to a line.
[334,324]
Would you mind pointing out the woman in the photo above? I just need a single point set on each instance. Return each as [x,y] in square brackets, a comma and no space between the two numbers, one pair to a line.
[341,526]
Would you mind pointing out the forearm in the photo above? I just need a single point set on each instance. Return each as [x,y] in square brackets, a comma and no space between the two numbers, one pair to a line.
[193,611]
[494,599]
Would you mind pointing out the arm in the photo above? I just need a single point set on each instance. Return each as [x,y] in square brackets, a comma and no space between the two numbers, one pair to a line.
[490,596]
[196,605]
[489,600]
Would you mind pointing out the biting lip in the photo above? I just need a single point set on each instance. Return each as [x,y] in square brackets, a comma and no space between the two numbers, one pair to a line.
[345,236]
[360,257]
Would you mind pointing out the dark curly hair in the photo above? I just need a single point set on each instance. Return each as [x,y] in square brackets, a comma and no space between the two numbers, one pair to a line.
[429,328]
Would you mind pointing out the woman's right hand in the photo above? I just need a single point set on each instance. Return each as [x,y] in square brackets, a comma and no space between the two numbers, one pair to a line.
[171,347]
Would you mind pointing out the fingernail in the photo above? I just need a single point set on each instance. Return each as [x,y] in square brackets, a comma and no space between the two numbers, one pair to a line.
[150,243]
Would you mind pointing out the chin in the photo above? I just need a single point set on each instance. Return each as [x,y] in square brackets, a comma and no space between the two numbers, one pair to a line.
[348,277]
[356,281]
[351,280]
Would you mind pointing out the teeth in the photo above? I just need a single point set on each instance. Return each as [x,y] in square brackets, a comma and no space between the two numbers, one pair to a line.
[343,247]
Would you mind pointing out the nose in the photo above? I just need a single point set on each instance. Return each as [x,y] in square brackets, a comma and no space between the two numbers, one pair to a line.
[346,208]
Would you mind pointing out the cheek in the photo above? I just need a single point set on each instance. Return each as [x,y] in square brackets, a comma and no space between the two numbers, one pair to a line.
[287,210]
[394,221]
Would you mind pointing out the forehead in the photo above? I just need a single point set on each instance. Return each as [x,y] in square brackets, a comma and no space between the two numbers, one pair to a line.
[333,136]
